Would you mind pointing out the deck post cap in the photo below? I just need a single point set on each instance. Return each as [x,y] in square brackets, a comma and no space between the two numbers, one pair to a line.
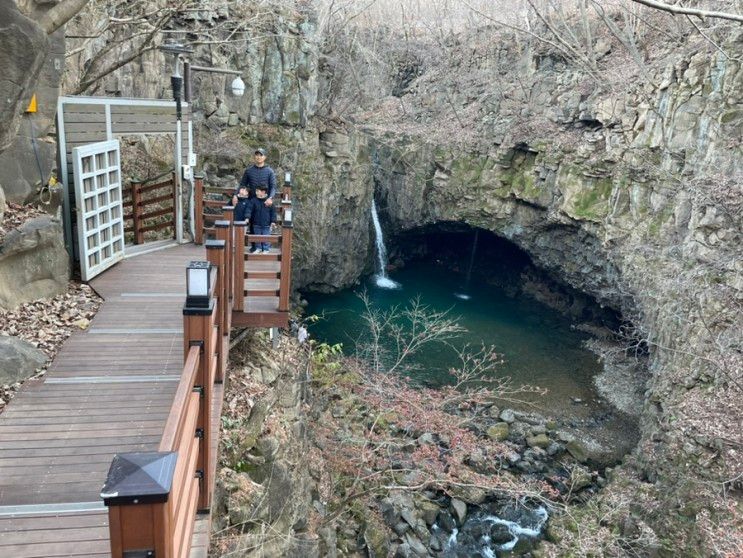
[139,478]
[240,223]
[196,310]
[212,244]
[222,224]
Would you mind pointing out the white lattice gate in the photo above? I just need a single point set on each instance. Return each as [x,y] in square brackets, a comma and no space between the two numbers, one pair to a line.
[100,223]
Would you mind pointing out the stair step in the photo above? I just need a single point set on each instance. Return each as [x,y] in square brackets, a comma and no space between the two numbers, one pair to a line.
[273,256]
[262,274]
[261,292]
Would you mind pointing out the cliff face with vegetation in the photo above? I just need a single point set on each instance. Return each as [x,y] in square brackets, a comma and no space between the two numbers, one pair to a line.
[630,193]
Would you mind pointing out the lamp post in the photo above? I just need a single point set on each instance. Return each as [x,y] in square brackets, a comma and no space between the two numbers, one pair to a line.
[176,82]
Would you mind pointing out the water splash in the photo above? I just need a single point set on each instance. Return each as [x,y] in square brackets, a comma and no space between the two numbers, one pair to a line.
[532,529]
[381,278]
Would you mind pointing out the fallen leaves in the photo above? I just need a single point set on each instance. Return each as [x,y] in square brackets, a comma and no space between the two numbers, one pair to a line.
[47,323]
[15,215]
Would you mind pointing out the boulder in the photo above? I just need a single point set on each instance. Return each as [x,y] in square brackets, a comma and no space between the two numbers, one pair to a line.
[538,441]
[458,510]
[498,432]
[18,360]
[2,204]
[376,539]
[33,262]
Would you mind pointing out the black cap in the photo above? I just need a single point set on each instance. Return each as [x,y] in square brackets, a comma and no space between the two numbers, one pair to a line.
[260,151]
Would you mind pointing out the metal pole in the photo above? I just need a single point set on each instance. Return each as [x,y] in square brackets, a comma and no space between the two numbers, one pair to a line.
[187,82]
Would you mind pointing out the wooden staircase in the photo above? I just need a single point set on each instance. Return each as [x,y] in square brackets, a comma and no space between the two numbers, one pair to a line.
[262,281]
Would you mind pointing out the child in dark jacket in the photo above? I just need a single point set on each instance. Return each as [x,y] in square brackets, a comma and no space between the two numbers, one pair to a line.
[261,217]
[242,207]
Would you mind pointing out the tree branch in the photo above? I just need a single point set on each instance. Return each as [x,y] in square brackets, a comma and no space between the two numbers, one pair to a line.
[60,14]
[688,11]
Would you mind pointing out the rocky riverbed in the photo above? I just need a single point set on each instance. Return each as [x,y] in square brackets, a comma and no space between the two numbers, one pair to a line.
[288,482]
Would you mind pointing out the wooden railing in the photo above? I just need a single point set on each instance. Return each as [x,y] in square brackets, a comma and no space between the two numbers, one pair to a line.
[153,497]
[209,202]
[146,204]
[208,225]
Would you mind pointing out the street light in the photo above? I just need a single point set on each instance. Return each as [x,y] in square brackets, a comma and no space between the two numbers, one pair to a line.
[176,82]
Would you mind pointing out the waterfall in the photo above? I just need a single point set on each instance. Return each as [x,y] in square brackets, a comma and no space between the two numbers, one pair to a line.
[381,278]
[464,295]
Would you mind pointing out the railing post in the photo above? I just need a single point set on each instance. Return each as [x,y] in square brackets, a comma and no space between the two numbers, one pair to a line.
[136,493]
[286,259]
[136,211]
[215,254]
[198,328]
[198,185]
[239,264]
[223,233]
[228,214]
[287,193]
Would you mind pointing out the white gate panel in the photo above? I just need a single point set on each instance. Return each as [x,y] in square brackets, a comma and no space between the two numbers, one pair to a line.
[100,222]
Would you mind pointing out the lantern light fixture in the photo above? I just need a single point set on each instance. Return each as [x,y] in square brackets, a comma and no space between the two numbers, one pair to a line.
[238,87]
[200,278]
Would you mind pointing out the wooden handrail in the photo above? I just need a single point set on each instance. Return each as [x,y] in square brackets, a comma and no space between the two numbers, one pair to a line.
[239,265]
[155,512]
[159,186]
[138,206]
[176,417]
[144,203]
[136,221]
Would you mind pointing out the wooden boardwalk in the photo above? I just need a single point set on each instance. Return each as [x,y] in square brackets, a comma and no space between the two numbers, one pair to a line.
[108,391]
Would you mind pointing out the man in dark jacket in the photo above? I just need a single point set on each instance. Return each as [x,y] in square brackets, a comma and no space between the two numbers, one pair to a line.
[256,175]
[261,217]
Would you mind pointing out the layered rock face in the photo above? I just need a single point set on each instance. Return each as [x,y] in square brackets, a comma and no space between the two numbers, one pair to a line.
[32,63]
[631,195]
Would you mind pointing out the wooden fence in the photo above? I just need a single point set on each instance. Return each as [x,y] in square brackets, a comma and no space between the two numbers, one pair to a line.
[262,282]
[146,205]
